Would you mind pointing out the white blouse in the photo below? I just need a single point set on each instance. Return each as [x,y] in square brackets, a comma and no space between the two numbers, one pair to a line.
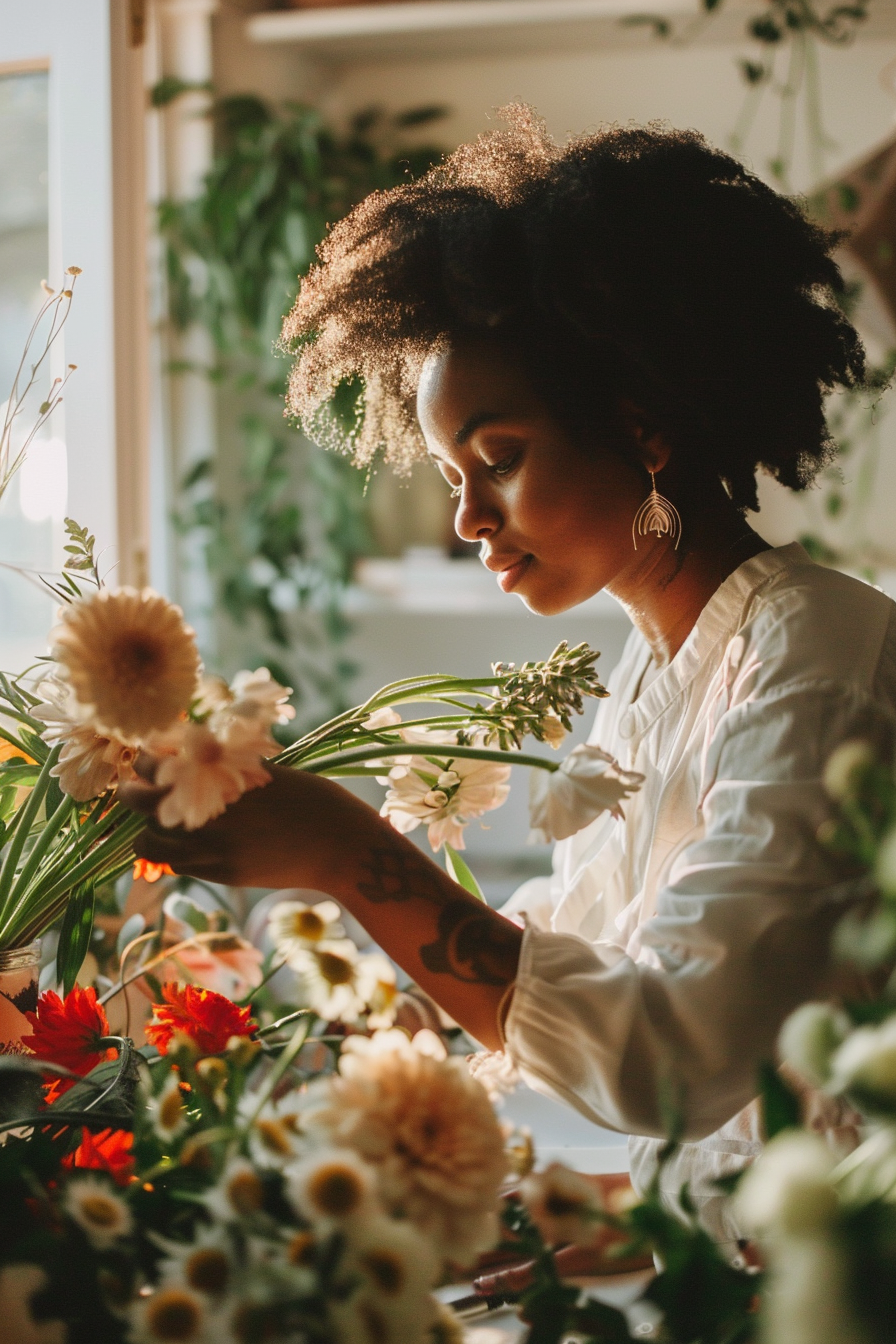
[662,957]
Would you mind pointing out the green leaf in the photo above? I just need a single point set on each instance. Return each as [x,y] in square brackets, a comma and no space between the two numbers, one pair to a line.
[74,936]
[105,1096]
[780,1106]
[460,873]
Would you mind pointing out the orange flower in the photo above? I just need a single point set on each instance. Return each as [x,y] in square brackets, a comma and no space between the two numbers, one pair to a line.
[110,1150]
[151,872]
[69,1031]
[207,1018]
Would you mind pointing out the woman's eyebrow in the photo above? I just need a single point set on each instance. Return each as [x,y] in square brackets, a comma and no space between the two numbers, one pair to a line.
[474,422]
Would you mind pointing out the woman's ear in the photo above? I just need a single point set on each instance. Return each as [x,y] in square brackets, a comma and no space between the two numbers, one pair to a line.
[648,442]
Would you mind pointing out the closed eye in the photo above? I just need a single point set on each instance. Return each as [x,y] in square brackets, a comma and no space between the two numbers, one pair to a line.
[505,467]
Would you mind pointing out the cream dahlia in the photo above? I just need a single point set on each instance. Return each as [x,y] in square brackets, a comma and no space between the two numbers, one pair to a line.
[205,777]
[88,762]
[129,659]
[429,1132]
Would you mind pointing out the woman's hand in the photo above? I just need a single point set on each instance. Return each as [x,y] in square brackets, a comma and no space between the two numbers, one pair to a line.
[305,831]
[293,832]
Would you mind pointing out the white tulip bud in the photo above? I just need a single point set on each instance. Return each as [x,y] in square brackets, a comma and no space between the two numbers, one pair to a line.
[843,765]
[865,1066]
[810,1037]
[789,1192]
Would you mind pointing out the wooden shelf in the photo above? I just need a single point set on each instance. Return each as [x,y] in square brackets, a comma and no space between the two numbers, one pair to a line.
[462,27]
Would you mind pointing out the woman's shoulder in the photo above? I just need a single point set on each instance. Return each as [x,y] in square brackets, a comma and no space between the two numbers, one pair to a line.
[808,621]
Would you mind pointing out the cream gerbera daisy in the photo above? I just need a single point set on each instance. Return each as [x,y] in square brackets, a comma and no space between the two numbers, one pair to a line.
[130,660]
[98,1209]
[295,926]
[205,777]
[88,764]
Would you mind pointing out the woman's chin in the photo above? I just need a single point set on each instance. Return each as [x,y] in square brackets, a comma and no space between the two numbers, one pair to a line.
[542,600]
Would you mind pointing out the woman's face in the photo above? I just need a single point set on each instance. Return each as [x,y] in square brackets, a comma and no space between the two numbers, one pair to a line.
[553,519]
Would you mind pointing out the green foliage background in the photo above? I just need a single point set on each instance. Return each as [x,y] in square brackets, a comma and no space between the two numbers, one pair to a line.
[281,522]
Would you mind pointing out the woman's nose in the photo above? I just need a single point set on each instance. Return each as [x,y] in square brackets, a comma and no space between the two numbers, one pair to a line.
[475,517]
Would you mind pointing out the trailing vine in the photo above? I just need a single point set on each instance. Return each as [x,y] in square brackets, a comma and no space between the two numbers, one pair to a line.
[282,523]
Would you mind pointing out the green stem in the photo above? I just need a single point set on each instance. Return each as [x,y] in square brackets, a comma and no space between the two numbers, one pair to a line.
[24,821]
[299,1037]
[447,750]
[51,829]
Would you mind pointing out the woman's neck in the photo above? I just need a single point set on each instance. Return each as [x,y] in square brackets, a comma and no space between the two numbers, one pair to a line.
[664,590]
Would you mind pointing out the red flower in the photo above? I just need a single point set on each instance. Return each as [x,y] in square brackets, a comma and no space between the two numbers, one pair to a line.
[110,1150]
[207,1018]
[151,872]
[68,1032]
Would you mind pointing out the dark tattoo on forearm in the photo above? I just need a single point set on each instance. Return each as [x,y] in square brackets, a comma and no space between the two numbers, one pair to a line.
[474,944]
[395,875]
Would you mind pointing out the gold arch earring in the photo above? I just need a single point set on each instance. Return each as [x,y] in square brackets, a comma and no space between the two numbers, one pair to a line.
[657,515]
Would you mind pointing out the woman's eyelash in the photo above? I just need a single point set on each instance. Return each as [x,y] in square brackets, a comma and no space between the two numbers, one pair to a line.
[502,468]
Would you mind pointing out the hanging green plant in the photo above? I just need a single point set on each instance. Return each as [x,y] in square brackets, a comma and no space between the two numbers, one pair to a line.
[281,523]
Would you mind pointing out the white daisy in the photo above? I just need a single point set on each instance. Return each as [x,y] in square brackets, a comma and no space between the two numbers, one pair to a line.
[205,1265]
[330,980]
[238,1193]
[168,1112]
[175,1314]
[98,1209]
[333,1186]
[295,926]
[275,1135]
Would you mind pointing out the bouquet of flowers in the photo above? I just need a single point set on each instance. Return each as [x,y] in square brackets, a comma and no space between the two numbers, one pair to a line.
[125,676]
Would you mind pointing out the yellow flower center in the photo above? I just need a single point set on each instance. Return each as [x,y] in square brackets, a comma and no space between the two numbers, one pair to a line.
[207,1270]
[171,1110]
[335,970]
[308,925]
[335,1190]
[101,1210]
[386,1270]
[245,1192]
[274,1136]
[173,1315]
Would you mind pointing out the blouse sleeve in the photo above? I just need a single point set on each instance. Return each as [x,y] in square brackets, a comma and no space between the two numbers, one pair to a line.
[740,935]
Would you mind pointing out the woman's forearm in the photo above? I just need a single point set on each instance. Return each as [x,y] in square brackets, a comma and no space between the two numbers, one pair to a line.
[460,952]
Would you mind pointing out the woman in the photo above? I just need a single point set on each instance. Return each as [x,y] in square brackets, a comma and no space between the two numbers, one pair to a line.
[576,323]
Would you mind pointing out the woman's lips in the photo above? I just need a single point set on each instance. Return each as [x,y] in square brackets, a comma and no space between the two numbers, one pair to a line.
[510,577]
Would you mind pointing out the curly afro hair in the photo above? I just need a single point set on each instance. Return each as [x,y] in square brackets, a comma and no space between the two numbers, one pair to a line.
[635,264]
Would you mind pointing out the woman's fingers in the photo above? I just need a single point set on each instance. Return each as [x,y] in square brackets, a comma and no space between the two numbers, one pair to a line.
[185,852]
[140,797]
